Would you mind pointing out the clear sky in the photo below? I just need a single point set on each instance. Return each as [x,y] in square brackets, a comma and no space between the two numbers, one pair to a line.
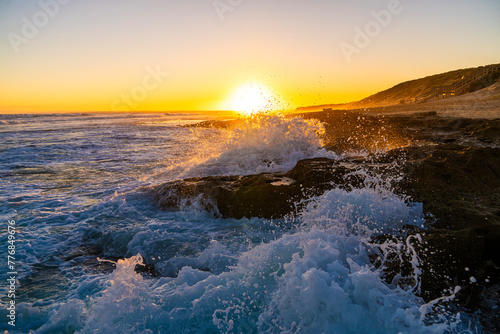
[102,55]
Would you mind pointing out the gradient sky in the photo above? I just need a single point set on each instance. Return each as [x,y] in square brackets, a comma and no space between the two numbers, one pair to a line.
[91,53]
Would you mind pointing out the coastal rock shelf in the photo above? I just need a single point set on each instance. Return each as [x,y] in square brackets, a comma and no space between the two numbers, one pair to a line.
[267,195]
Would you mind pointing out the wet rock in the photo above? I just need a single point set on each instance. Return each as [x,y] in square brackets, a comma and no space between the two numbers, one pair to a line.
[447,259]
[147,269]
[458,185]
[491,238]
[450,259]
[489,301]
[356,131]
[263,195]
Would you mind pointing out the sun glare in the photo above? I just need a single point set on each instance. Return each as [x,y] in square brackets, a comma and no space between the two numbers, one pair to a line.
[253,98]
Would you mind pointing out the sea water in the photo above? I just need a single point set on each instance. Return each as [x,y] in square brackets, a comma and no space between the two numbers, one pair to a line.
[76,186]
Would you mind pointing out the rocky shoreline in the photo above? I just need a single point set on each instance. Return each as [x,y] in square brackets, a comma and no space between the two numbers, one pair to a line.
[450,165]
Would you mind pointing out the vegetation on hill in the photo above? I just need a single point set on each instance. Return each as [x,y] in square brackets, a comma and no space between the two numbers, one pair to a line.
[408,90]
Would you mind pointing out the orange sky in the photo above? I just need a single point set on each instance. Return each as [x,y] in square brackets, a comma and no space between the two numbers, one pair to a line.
[128,55]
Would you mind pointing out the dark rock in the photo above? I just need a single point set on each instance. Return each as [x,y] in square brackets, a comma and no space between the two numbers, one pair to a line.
[447,259]
[450,259]
[147,269]
[425,113]
[491,239]
[458,185]
[264,195]
[356,131]
[489,302]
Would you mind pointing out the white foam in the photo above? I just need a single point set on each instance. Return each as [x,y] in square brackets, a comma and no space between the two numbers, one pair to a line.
[362,212]
[318,279]
[263,143]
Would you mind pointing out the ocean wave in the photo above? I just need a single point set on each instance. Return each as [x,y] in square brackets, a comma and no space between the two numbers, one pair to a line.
[318,278]
[263,143]
[8,122]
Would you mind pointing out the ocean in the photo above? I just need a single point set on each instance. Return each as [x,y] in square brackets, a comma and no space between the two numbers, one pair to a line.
[94,254]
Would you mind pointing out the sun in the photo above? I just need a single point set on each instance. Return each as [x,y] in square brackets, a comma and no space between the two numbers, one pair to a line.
[253,98]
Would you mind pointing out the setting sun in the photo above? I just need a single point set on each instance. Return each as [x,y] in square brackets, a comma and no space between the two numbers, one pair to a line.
[254,98]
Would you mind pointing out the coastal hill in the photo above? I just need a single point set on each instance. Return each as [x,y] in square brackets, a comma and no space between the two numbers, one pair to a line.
[427,89]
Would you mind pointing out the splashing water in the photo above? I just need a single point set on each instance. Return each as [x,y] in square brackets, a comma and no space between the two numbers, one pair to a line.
[264,143]
[316,279]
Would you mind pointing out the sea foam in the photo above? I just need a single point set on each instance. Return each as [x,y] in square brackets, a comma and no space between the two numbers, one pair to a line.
[316,279]
[262,143]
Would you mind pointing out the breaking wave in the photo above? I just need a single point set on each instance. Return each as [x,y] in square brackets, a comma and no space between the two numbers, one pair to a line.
[262,143]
